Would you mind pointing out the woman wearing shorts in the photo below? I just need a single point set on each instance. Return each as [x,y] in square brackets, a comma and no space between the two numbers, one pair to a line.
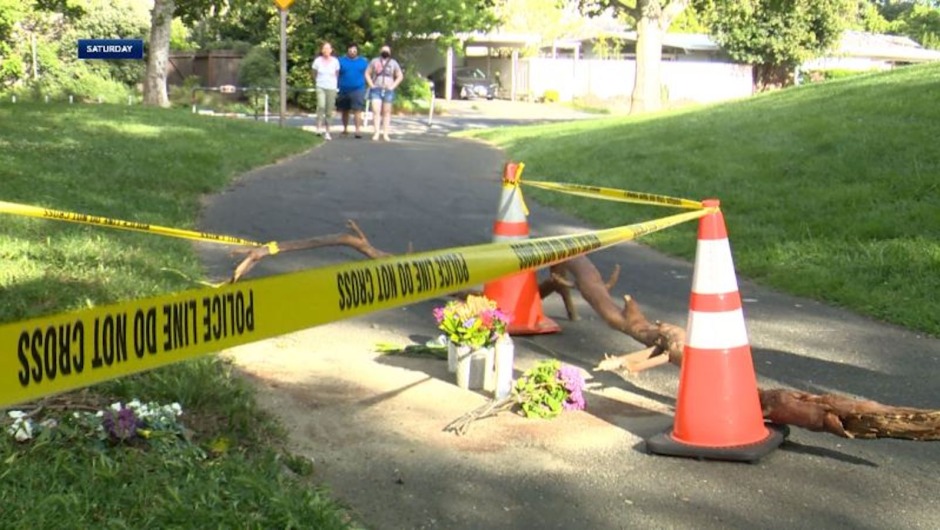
[383,76]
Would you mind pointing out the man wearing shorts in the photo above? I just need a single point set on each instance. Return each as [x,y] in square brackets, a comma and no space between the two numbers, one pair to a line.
[383,76]
[352,88]
[326,70]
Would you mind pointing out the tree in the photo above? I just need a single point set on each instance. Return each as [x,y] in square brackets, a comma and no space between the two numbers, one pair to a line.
[549,19]
[777,35]
[921,23]
[159,53]
[653,18]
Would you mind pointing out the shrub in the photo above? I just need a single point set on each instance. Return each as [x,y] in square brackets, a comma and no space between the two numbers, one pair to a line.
[819,76]
[413,94]
[181,95]
[258,68]
[301,76]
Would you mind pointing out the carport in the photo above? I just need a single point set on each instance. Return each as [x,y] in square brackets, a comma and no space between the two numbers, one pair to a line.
[491,41]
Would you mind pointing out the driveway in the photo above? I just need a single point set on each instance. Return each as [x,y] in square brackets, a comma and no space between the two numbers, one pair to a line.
[372,424]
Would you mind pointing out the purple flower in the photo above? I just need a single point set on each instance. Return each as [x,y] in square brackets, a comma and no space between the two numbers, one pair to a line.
[439,314]
[121,424]
[573,382]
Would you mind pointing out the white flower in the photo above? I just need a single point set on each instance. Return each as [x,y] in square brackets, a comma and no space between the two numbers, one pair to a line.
[22,429]
[16,414]
[99,414]
[134,404]
[49,423]
[116,407]
[176,408]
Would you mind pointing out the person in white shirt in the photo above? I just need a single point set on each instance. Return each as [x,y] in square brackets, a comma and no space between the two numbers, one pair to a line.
[326,69]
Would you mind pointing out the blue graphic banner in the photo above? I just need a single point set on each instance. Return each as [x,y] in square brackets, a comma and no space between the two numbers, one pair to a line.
[110,49]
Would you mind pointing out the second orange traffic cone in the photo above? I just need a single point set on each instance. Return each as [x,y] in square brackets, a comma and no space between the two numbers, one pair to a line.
[718,411]
[517,295]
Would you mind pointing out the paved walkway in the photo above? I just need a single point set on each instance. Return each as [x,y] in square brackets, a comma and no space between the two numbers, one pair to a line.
[372,424]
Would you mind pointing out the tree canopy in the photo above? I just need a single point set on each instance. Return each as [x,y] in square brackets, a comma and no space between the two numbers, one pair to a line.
[775,32]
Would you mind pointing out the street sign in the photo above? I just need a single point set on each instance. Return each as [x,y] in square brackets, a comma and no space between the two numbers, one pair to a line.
[227,89]
[283,4]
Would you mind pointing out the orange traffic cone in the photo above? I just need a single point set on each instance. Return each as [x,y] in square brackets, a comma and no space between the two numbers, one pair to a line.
[718,412]
[517,295]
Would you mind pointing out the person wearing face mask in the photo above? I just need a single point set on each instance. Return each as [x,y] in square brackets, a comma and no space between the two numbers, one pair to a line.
[383,76]
[326,69]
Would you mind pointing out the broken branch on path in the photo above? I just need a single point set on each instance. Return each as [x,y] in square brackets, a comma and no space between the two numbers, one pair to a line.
[356,239]
[664,342]
[832,413]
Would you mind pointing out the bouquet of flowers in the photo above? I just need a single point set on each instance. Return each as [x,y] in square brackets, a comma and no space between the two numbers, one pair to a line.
[549,388]
[476,322]
[544,391]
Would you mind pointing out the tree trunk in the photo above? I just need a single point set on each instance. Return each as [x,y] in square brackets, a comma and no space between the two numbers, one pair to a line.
[772,77]
[647,91]
[653,18]
[158,56]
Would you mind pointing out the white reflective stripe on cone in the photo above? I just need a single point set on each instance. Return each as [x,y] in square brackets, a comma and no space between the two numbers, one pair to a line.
[714,268]
[716,331]
[510,206]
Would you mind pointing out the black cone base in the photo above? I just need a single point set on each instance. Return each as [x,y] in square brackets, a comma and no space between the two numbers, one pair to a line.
[665,444]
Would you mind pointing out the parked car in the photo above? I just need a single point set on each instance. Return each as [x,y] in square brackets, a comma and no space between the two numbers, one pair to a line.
[468,83]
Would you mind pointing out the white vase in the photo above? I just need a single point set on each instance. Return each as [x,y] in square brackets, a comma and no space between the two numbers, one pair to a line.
[462,355]
[489,369]
[474,367]
[505,353]
[451,357]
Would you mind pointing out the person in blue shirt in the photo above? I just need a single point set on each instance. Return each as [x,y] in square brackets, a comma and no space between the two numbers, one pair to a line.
[352,88]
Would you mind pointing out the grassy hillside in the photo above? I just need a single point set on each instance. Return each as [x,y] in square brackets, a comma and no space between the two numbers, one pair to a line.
[221,466]
[830,191]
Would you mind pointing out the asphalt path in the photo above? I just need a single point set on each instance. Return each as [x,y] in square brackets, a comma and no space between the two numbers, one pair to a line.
[430,191]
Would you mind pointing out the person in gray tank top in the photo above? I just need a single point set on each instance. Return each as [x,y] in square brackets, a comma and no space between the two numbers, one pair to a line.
[383,76]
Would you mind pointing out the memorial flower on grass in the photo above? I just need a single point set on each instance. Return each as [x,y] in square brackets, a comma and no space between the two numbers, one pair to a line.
[121,423]
[131,422]
[476,322]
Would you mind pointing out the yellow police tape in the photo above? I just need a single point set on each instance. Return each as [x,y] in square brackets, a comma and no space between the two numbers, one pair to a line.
[79,348]
[134,226]
[613,194]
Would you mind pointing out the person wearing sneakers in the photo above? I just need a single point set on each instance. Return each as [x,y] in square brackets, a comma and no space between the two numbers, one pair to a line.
[383,76]
[326,69]
[352,88]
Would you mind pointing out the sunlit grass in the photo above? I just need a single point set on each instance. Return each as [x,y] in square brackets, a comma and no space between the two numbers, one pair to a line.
[150,166]
[831,191]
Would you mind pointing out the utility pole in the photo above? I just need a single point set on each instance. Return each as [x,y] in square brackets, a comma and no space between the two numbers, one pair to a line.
[283,5]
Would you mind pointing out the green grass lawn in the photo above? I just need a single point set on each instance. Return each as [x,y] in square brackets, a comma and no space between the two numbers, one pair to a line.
[148,165]
[830,191]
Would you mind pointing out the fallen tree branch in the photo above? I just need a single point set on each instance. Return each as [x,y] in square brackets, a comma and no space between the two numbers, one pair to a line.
[839,415]
[848,417]
[835,414]
[357,240]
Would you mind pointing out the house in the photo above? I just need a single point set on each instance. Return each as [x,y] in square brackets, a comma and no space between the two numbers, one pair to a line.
[858,50]
[601,63]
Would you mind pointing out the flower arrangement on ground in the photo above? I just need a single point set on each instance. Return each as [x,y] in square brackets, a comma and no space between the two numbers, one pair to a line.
[133,422]
[549,388]
[476,322]
[544,391]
